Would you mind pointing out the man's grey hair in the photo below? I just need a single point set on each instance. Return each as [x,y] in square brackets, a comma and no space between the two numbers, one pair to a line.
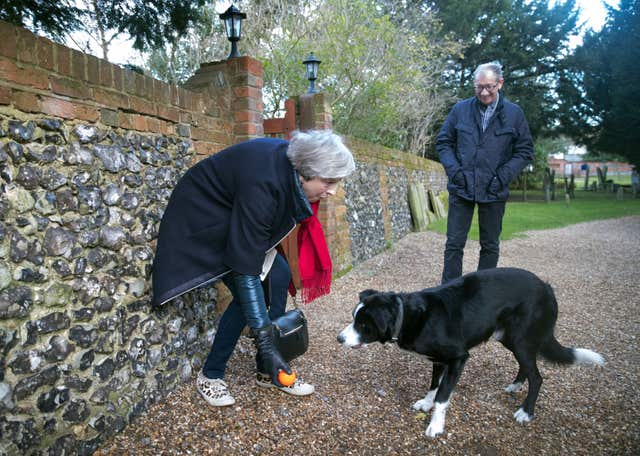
[320,153]
[492,67]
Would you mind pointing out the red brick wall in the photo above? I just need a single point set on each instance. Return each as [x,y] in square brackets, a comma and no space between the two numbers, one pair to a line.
[38,76]
[219,106]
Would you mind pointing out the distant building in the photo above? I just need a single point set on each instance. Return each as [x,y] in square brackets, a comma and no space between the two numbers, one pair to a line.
[574,164]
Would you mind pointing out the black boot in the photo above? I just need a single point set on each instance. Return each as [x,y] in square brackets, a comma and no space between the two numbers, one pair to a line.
[268,359]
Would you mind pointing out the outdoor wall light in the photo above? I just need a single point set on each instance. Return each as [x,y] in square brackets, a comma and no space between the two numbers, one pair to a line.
[233,26]
[312,65]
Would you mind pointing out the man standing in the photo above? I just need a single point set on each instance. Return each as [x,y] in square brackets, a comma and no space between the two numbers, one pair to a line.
[484,143]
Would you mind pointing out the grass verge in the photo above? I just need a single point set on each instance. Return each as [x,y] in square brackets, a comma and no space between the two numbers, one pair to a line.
[538,215]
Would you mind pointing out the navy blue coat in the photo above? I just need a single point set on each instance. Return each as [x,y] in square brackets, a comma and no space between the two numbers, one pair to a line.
[501,151]
[224,214]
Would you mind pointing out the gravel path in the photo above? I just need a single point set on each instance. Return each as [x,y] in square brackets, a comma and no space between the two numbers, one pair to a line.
[363,398]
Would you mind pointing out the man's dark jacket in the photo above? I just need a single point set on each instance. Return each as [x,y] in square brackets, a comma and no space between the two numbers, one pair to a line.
[480,164]
[224,214]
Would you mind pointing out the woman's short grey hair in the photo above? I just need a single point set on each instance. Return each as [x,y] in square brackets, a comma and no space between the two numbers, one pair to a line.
[492,67]
[320,153]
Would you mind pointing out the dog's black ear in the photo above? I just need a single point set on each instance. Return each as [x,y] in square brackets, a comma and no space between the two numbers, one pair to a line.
[382,325]
[381,315]
[366,293]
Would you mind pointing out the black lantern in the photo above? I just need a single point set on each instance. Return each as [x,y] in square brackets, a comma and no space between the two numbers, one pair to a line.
[312,65]
[233,26]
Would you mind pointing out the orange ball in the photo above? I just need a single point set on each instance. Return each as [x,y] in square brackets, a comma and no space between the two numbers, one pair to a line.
[286,379]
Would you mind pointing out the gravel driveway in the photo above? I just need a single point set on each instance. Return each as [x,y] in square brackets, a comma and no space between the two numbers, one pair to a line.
[363,398]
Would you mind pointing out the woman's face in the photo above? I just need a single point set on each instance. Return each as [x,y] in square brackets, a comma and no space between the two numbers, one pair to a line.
[319,188]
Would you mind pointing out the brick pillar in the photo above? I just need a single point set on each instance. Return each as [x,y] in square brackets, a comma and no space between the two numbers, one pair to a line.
[245,77]
[315,114]
[233,91]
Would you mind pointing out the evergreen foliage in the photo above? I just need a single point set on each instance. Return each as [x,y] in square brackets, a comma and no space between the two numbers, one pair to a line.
[150,24]
[530,38]
[601,91]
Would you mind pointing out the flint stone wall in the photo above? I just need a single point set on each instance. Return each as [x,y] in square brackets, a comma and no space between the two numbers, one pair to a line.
[89,153]
[376,196]
[81,350]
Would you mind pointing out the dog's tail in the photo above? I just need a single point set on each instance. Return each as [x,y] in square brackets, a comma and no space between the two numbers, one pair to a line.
[553,351]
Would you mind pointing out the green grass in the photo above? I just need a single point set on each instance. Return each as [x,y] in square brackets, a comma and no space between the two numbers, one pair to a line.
[622,179]
[538,215]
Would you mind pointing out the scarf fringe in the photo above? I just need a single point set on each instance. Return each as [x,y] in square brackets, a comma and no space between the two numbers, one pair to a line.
[314,289]
[314,260]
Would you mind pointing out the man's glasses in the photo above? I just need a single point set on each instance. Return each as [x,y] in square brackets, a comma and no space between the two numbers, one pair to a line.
[488,87]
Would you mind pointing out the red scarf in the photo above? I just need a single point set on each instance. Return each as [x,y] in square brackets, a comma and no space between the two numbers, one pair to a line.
[313,259]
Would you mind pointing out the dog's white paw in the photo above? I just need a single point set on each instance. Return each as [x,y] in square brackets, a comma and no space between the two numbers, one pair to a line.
[425,404]
[514,388]
[434,429]
[436,425]
[522,417]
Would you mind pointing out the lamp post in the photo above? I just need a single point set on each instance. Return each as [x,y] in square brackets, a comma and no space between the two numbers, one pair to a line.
[312,64]
[232,18]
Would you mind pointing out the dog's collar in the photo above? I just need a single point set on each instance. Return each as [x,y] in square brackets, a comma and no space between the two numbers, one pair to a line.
[399,319]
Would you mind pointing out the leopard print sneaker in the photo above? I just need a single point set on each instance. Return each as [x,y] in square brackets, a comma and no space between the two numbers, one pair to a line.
[214,391]
[299,387]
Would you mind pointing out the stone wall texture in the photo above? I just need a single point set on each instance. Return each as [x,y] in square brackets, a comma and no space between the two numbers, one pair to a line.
[89,154]
[375,200]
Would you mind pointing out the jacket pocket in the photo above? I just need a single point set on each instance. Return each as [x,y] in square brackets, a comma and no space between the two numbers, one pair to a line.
[494,187]
[465,143]
[502,145]
[464,128]
[506,131]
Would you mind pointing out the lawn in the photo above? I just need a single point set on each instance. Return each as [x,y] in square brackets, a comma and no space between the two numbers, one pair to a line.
[536,214]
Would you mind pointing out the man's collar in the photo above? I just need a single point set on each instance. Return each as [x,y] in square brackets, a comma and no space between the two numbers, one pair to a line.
[496,101]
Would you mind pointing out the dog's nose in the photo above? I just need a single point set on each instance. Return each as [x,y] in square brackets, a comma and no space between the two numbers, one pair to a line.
[340,338]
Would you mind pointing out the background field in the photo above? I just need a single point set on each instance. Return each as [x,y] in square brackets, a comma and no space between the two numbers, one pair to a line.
[536,214]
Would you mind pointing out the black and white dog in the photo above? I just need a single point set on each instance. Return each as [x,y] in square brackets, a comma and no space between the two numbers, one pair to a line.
[444,323]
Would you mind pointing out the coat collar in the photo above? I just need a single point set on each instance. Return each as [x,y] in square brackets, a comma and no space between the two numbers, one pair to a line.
[475,103]
[301,206]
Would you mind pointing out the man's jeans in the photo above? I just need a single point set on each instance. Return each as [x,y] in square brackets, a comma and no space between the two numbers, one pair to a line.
[233,321]
[458,224]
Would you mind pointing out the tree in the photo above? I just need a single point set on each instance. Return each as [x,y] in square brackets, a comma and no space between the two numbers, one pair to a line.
[600,92]
[93,29]
[150,24]
[528,37]
[543,148]
[204,41]
[384,81]
[384,78]
[53,17]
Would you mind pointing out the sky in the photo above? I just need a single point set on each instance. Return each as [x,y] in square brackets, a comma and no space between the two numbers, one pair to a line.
[593,13]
